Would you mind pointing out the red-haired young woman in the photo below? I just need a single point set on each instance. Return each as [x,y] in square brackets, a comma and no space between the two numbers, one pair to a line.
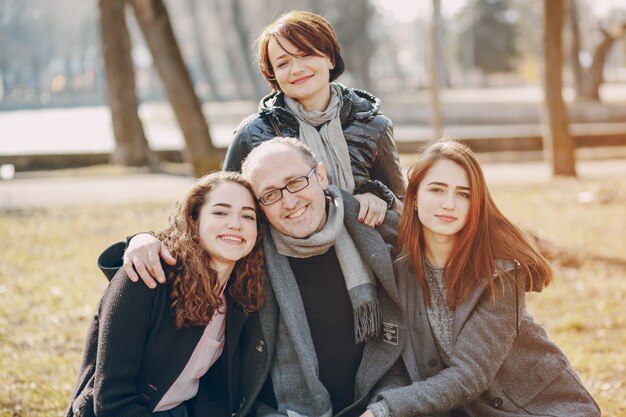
[473,348]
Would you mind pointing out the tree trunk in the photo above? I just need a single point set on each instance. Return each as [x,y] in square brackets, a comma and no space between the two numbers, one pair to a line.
[239,80]
[131,144]
[433,69]
[244,45]
[558,143]
[352,30]
[154,22]
[442,67]
[203,56]
[596,71]
[579,76]
[362,45]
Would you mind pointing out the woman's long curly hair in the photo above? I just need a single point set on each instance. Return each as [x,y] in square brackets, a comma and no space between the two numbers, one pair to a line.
[195,290]
[487,235]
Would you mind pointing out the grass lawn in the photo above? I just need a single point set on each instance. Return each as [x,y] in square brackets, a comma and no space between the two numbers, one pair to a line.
[49,286]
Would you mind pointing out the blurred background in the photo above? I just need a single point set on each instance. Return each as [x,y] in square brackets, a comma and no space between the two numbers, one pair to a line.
[484,58]
[50,51]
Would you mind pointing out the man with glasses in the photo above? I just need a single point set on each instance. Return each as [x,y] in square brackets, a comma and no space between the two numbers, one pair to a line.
[331,331]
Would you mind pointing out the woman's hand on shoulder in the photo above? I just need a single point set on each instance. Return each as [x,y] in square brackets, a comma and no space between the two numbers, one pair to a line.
[372,209]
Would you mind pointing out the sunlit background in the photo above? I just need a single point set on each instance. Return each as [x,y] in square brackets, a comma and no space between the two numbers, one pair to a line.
[52,95]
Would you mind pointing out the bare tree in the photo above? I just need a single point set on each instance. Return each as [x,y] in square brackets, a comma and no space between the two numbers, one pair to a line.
[353,26]
[574,56]
[239,77]
[203,56]
[609,36]
[558,143]
[131,144]
[245,45]
[433,61]
[154,22]
[588,81]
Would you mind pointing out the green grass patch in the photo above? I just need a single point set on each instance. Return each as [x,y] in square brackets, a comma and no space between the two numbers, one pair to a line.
[49,285]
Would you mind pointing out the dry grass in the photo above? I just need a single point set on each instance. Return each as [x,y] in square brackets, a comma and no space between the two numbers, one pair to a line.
[49,286]
[583,310]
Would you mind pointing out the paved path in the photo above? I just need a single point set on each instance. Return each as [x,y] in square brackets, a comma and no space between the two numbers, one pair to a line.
[88,129]
[55,131]
[43,190]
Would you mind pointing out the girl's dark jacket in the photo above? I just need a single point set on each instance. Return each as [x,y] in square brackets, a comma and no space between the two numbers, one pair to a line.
[368,133]
[146,352]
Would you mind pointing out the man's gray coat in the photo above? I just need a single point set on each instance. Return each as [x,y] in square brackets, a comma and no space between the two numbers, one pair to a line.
[249,360]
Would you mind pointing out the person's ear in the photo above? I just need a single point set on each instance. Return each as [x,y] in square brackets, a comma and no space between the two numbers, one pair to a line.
[321,175]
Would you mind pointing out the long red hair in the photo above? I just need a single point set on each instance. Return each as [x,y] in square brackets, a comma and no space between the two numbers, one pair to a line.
[488,235]
[195,289]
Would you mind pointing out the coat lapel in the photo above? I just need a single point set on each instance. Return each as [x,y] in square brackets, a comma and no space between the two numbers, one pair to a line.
[268,314]
[235,320]
[464,309]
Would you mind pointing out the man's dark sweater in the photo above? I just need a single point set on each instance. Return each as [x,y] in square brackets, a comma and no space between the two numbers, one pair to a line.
[329,313]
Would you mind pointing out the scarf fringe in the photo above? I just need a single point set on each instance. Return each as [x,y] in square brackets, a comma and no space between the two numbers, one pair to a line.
[368,318]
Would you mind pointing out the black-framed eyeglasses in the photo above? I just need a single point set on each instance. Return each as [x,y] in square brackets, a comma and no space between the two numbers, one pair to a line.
[293,186]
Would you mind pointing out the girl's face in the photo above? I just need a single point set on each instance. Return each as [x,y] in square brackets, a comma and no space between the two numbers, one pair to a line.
[443,201]
[227,224]
[305,78]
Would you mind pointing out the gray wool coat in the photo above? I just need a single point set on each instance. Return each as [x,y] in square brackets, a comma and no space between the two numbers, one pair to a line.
[502,362]
[381,366]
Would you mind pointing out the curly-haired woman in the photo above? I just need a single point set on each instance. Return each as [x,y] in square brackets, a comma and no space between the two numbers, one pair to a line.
[149,350]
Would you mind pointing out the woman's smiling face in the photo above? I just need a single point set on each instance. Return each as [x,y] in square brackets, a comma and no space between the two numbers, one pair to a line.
[303,77]
[227,224]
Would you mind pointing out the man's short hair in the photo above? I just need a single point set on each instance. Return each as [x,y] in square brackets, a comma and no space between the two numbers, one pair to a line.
[305,151]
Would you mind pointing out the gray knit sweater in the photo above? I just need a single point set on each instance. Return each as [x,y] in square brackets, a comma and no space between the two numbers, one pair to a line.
[440,317]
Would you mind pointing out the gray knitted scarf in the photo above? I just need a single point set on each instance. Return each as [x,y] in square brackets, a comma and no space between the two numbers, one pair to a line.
[328,144]
[295,366]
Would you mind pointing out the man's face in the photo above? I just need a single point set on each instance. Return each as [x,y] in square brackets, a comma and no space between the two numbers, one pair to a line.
[299,214]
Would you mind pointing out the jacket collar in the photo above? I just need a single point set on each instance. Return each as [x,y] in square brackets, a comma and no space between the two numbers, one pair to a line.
[357,104]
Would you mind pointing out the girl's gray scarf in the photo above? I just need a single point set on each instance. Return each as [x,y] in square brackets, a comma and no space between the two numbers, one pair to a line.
[328,144]
[295,363]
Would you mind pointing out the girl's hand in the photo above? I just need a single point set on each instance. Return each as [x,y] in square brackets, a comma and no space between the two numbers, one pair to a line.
[373,209]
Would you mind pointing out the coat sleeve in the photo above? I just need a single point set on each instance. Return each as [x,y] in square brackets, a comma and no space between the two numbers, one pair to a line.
[388,230]
[252,131]
[477,354]
[238,149]
[110,260]
[124,315]
[396,377]
[386,167]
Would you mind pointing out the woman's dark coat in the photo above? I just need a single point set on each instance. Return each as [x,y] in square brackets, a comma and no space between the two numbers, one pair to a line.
[368,133]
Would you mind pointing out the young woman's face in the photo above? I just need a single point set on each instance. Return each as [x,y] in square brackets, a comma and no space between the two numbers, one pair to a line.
[443,200]
[305,78]
[227,224]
